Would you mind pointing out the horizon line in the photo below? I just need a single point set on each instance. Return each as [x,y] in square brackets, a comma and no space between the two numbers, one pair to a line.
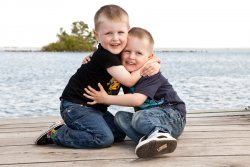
[16,48]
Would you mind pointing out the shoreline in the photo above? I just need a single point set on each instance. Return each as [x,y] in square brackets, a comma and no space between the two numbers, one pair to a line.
[37,49]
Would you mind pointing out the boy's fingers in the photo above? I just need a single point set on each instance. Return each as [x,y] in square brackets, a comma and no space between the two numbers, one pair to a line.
[146,71]
[91,103]
[89,97]
[91,89]
[101,87]
[89,92]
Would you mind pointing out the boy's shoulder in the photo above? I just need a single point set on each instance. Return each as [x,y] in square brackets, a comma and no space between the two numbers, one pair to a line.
[105,58]
[153,77]
[102,51]
[157,78]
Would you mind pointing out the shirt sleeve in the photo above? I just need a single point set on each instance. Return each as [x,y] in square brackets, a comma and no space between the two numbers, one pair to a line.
[148,86]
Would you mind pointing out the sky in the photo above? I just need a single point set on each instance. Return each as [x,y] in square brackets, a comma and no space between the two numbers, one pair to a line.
[173,23]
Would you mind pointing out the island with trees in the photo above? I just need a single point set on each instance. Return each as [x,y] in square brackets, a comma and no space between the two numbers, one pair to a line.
[81,39]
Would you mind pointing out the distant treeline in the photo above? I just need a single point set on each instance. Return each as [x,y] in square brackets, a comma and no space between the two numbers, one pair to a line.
[80,39]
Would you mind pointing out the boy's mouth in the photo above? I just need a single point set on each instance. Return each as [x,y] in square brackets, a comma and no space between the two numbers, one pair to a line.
[116,44]
[130,63]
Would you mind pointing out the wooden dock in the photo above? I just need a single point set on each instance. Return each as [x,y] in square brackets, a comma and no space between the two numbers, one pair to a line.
[210,139]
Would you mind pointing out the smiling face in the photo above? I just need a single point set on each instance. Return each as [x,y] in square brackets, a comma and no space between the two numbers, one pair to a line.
[112,34]
[136,53]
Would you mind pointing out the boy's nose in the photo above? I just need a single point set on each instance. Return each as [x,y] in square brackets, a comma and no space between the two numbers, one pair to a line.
[115,37]
[132,56]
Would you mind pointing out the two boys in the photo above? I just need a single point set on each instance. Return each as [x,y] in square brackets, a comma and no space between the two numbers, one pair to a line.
[90,125]
[93,126]
[160,115]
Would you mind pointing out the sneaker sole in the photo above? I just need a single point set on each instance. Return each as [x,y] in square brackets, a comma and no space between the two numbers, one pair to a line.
[155,147]
[41,139]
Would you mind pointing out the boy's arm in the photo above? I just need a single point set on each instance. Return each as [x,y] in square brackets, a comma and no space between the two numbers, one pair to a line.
[101,96]
[87,59]
[129,79]
[152,68]
[123,76]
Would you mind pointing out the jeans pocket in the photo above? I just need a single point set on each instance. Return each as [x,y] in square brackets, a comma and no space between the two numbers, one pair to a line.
[70,112]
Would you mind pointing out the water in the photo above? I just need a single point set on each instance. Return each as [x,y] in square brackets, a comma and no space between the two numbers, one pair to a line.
[32,82]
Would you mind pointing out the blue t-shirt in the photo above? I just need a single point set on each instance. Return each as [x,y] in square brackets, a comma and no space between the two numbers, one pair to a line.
[159,92]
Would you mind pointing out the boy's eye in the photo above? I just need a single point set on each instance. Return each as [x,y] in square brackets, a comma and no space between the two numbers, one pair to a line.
[108,33]
[126,51]
[138,53]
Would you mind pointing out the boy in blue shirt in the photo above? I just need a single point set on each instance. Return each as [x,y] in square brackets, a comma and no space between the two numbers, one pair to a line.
[160,115]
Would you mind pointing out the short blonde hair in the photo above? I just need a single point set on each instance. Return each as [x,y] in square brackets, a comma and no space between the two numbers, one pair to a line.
[112,12]
[142,34]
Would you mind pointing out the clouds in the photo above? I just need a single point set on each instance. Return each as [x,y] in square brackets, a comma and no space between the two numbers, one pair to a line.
[179,23]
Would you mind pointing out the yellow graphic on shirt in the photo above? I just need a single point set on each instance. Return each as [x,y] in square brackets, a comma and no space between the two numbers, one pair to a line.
[114,87]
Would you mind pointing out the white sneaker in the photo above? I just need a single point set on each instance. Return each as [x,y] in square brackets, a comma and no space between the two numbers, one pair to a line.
[156,144]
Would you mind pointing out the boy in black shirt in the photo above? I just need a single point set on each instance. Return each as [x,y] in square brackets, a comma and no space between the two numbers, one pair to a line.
[93,126]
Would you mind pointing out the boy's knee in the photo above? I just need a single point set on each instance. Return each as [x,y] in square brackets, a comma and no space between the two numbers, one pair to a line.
[104,141]
[120,114]
[140,119]
[121,117]
[138,116]
[136,120]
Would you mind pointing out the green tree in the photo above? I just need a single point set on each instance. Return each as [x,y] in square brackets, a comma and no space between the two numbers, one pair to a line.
[80,39]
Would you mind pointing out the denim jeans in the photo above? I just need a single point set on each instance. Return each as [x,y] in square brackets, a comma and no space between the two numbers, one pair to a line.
[86,127]
[145,122]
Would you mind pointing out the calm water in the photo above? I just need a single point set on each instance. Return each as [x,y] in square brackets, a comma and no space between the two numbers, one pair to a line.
[32,82]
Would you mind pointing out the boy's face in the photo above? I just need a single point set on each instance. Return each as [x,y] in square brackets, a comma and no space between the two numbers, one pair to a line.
[136,53]
[112,34]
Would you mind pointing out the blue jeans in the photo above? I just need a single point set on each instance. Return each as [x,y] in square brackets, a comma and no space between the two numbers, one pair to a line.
[86,127]
[145,122]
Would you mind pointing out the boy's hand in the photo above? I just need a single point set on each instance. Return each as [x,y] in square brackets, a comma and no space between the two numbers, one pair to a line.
[152,67]
[96,96]
[87,59]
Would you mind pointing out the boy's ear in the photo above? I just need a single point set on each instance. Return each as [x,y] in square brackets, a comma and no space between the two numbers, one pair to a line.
[95,34]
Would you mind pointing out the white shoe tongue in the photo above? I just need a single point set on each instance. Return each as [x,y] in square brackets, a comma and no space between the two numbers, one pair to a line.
[153,134]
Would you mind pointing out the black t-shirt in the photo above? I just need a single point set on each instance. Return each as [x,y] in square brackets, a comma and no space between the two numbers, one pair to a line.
[92,73]
[159,91]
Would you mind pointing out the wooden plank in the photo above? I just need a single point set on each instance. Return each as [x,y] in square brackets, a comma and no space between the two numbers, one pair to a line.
[190,122]
[217,111]
[35,154]
[219,121]
[208,161]
[190,114]
[190,117]
[219,114]
[214,134]
[187,128]
[25,125]
[213,142]
[29,120]
[25,129]
[205,128]
[185,134]
[182,142]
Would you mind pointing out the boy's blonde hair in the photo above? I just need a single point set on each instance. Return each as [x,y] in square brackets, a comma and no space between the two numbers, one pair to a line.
[112,12]
[142,34]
